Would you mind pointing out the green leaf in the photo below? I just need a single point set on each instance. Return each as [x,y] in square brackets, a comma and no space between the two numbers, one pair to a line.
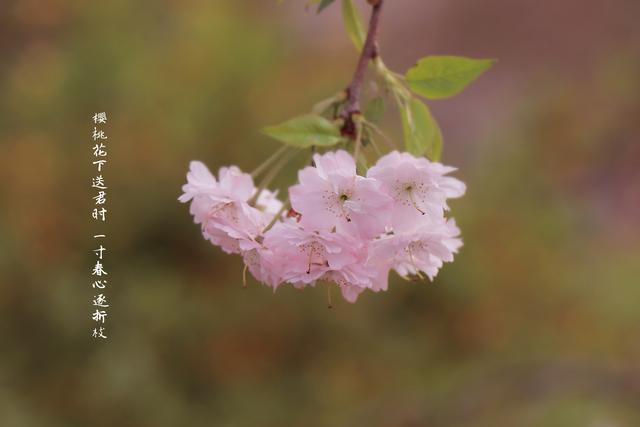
[422,134]
[305,131]
[374,110]
[437,77]
[353,23]
[324,4]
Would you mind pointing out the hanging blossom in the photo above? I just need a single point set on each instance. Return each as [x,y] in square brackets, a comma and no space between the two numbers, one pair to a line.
[222,207]
[422,250]
[331,196]
[346,229]
[301,256]
[419,188]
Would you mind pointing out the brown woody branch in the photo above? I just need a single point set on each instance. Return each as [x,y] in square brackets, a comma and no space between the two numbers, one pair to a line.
[369,52]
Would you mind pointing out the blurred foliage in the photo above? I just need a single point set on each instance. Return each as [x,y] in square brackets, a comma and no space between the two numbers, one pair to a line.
[535,324]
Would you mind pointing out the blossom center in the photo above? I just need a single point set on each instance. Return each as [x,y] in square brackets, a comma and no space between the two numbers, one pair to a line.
[409,190]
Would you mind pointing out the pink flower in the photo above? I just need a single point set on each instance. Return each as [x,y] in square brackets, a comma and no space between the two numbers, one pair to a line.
[344,228]
[234,226]
[257,262]
[331,196]
[423,250]
[268,203]
[221,207]
[233,184]
[301,257]
[418,187]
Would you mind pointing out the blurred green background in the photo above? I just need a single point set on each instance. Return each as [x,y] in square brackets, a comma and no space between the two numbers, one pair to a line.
[535,324]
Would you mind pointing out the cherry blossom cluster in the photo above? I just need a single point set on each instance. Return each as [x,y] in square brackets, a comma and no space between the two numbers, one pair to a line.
[343,228]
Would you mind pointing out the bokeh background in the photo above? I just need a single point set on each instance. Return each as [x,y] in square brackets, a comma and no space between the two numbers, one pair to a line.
[535,324]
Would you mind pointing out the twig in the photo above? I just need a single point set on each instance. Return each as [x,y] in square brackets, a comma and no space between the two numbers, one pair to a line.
[354,90]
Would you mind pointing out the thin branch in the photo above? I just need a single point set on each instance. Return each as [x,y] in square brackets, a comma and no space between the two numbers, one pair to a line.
[369,52]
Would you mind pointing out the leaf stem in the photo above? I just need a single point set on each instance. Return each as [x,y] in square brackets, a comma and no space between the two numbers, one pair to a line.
[322,106]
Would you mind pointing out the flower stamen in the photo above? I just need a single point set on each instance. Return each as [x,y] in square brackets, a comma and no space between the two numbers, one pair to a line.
[413,201]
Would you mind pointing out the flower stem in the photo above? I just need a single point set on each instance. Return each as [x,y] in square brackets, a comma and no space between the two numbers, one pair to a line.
[384,137]
[244,277]
[257,171]
[269,177]
[277,216]
[358,142]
